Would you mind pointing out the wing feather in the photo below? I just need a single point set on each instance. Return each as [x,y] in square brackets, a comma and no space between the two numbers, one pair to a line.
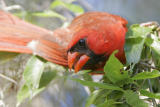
[16,35]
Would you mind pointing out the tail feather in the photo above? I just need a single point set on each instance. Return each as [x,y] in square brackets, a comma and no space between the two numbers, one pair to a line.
[19,36]
[14,48]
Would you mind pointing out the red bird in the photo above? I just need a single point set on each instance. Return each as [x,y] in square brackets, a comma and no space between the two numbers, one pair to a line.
[85,44]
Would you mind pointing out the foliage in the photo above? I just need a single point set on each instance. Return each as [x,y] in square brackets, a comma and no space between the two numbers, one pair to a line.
[121,85]
[51,11]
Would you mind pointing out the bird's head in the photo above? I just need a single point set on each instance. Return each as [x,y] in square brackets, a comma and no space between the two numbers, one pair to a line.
[89,49]
[95,36]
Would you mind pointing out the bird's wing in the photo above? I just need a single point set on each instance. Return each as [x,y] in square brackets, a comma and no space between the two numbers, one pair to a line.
[22,37]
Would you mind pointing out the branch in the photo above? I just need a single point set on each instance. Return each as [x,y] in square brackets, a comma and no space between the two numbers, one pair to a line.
[149,66]
[7,78]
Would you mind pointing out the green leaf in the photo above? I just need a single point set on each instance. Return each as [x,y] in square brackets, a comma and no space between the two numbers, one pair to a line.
[133,49]
[32,75]
[113,68]
[102,96]
[49,14]
[108,103]
[96,84]
[72,7]
[25,92]
[149,94]
[116,95]
[133,99]
[156,58]
[36,78]
[154,43]
[138,31]
[33,72]
[146,75]
[87,77]
[83,72]
[22,94]
[155,46]
[135,39]
[46,78]
[92,98]
[6,56]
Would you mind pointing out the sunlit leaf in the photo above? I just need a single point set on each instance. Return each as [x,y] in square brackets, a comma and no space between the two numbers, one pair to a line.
[113,70]
[72,7]
[49,14]
[35,79]
[135,39]
[32,75]
[25,92]
[33,72]
[133,99]
[146,75]
[154,43]
[149,94]
[136,30]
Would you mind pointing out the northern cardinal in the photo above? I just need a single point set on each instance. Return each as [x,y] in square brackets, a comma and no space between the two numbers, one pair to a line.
[85,44]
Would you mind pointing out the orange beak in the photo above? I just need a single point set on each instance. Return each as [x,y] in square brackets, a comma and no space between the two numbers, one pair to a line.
[77,60]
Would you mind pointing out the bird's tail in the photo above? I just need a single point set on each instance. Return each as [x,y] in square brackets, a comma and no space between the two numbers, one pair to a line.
[21,37]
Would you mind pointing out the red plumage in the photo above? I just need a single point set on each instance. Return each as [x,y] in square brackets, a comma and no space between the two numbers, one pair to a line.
[103,33]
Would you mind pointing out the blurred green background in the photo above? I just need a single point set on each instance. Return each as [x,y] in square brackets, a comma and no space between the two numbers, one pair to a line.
[135,11]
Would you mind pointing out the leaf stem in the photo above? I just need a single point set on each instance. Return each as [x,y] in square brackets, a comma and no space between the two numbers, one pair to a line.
[151,90]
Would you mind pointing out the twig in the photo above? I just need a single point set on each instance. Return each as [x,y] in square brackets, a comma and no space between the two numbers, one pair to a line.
[4,7]
[148,65]
[7,78]
[151,90]
[141,85]
[152,24]
[8,8]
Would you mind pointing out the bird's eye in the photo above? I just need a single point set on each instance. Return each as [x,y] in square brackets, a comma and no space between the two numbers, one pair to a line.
[82,42]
